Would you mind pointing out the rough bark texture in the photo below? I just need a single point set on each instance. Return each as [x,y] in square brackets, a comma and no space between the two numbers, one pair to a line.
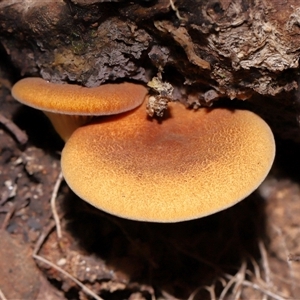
[235,47]
[206,42]
[205,49]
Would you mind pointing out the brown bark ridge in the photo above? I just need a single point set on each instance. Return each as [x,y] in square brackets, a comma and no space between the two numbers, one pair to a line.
[206,50]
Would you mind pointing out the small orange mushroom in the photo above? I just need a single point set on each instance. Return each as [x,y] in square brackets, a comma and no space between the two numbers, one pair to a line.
[69,106]
[189,165]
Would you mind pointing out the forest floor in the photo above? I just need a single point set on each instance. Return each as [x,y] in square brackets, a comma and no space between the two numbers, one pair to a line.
[250,251]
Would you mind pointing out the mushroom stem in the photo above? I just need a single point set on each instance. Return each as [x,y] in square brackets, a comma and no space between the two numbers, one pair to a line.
[65,125]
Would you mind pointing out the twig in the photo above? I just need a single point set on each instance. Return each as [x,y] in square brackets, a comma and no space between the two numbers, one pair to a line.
[8,216]
[167,296]
[212,293]
[19,134]
[53,204]
[257,273]
[2,297]
[42,238]
[210,289]
[4,197]
[83,287]
[149,289]
[240,277]
[174,8]
[195,292]
[35,255]
[237,279]
[222,281]
[258,288]
[265,266]
[265,262]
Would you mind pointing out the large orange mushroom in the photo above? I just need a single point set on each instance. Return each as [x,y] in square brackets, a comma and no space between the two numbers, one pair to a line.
[188,165]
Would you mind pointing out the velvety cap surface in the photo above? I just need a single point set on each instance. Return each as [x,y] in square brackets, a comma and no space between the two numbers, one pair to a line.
[77,100]
[191,164]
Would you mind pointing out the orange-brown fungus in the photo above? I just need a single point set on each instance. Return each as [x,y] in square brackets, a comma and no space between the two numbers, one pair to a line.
[190,165]
[69,106]
[77,100]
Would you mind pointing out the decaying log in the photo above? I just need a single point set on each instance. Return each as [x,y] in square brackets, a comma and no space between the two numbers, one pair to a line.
[206,50]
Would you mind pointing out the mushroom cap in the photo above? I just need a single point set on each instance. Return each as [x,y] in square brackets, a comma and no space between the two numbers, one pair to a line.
[189,165]
[77,100]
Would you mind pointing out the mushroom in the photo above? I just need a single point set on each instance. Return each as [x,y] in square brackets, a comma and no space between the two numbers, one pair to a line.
[69,106]
[188,165]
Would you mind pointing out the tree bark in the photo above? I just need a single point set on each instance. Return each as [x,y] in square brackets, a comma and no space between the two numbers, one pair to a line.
[206,50]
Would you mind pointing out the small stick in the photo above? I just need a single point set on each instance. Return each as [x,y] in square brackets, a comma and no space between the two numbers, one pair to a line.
[259,288]
[36,256]
[174,8]
[53,204]
[210,289]
[83,287]
[8,216]
[257,273]
[265,265]
[4,197]
[236,279]
[19,134]
[42,238]
[239,278]
[2,297]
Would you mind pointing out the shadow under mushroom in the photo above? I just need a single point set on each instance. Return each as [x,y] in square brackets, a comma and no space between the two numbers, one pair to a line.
[176,258]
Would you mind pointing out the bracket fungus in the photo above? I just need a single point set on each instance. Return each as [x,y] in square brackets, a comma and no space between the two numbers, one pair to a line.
[188,165]
[69,106]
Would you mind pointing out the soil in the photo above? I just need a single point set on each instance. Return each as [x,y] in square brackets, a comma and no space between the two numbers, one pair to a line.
[248,251]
